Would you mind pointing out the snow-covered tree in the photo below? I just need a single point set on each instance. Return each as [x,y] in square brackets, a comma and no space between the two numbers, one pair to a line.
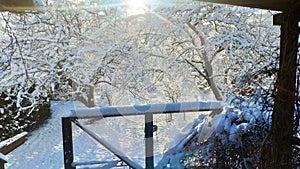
[41,59]
[44,49]
[70,50]
[133,53]
[222,53]
[225,46]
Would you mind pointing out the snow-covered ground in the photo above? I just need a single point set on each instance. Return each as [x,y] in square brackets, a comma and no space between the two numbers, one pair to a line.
[44,149]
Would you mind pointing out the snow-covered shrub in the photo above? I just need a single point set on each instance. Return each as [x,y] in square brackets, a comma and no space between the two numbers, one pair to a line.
[15,119]
[237,138]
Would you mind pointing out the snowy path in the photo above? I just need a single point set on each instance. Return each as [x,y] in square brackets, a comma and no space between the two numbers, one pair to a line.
[43,150]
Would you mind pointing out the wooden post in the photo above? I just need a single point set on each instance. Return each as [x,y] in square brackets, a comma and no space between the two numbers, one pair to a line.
[281,133]
[149,141]
[67,142]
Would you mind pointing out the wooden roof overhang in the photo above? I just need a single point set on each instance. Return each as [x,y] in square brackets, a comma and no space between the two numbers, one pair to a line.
[16,5]
[277,5]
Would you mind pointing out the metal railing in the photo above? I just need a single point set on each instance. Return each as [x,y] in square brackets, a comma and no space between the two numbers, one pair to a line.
[2,161]
[146,110]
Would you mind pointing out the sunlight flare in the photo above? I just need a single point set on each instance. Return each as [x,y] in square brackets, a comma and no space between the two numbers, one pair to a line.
[137,7]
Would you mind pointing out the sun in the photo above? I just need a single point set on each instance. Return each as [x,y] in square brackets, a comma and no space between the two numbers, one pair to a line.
[137,7]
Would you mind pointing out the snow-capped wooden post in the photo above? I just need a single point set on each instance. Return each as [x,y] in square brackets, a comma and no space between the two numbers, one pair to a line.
[2,161]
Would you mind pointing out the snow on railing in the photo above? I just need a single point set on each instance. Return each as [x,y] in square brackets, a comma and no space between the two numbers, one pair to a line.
[112,111]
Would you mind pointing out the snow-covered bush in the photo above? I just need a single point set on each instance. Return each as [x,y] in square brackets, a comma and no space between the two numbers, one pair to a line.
[14,119]
[239,132]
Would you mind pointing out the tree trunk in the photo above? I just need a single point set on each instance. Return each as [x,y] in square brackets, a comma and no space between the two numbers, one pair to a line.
[207,63]
[209,74]
[212,84]
[86,98]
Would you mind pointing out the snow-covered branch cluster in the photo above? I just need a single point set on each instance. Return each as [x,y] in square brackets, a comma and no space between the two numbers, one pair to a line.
[42,51]
[235,138]
[223,44]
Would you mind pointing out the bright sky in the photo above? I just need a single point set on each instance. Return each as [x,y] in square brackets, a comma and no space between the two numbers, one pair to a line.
[137,6]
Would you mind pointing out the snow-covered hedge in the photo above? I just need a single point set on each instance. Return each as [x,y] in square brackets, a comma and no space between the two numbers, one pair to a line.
[233,138]
[14,120]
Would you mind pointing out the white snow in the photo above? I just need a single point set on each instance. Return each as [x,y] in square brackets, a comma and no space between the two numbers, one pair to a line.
[44,149]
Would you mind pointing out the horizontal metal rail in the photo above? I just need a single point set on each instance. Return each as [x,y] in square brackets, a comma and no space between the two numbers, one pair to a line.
[113,111]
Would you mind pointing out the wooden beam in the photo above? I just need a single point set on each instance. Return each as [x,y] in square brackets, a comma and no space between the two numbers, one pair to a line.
[16,5]
[10,144]
[278,5]
[278,19]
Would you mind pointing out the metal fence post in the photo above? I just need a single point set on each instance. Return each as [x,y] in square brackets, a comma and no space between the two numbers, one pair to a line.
[2,161]
[2,164]
[67,142]
[149,141]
